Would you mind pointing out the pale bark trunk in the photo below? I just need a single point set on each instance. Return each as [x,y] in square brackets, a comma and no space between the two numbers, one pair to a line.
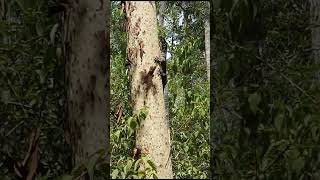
[207,45]
[86,78]
[153,136]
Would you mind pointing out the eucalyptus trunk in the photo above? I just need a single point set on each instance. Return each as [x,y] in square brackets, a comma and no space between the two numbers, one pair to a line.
[86,67]
[153,135]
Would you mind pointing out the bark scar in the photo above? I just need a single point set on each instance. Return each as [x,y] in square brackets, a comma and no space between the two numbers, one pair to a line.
[137,28]
[141,45]
[146,79]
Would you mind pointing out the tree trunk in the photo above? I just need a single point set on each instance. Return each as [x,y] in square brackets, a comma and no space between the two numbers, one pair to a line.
[315,31]
[5,17]
[86,77]
[207,45]
[164,50]
[185,17]
[2,9]
[153,136]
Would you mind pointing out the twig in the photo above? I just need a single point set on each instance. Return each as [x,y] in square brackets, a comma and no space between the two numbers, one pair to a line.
[82,174]
[232,111]
[14,128]
[19,104]
[278,157]
[290,81]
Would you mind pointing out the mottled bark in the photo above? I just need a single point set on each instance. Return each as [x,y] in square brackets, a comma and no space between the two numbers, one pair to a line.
[153,136]
[86,76]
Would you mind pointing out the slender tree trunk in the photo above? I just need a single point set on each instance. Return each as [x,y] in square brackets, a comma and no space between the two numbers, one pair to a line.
[5,16]
[2,9]
[86,78]
[153,136]
[185,17]
[207,45]
[214,124]
[315,31]
[164,50]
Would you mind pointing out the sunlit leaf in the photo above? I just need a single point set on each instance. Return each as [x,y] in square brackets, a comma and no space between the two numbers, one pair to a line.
[114,174]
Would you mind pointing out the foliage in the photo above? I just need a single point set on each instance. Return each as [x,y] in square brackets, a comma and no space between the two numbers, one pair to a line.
[31,81]
[265,118]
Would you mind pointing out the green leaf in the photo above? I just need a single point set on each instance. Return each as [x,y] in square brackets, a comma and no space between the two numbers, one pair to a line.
[298,164]
[132,123]
[307,119]
[114,174]
[53,32]
[254,100]
[5,96]
[76,172]
[41,75]
[135,177]
[233,7]
[278,121]
[189,93]
[129,164]
[152,164]
[21,5]
[141,174]
[39,28]
[58,52]
[90,167]
[314,133]
[136,164]
[154,176]
[127,167]
[66,177]
[186,148]
[144,159]
[130,131]
[33,102]
[143,114]
[117,134]
[224,68]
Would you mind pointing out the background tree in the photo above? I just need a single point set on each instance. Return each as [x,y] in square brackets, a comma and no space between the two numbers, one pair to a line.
[207,41]
[85,50]
[264,76]
[315,29]
[32,96]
